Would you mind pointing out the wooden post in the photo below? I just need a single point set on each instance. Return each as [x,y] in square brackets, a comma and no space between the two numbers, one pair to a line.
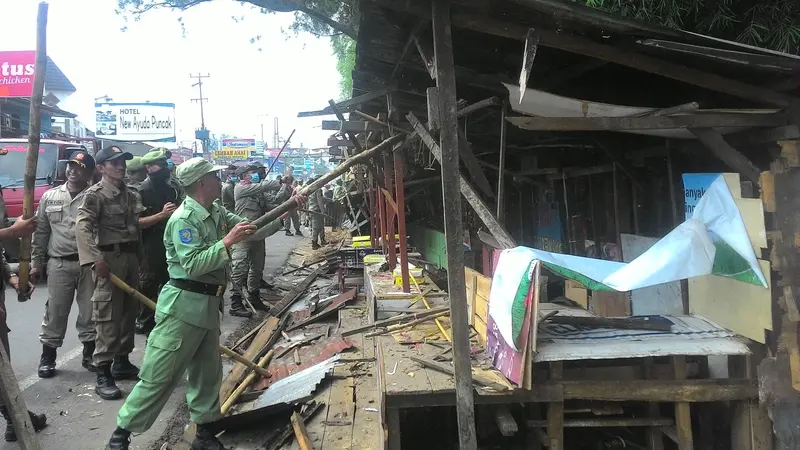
[683,413]
[555,411]
[12,397]
[501,210]
[453,227]
[34,130]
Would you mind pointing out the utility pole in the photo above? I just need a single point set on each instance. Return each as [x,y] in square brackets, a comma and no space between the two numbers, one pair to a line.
[201,100]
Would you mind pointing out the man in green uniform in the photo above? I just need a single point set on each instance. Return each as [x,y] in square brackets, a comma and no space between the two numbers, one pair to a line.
[198,238]
[248,257]
[107,231]
[136,172]
[55,238]
[316,203]
[160,194]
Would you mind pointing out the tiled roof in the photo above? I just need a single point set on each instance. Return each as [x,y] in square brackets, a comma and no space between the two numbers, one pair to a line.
[55,80]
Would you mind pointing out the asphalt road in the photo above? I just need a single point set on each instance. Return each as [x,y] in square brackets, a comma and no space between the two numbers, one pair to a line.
[78,419]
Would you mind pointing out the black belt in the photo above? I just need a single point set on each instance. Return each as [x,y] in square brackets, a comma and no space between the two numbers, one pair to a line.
[198,287]
[125,247]
[73,257]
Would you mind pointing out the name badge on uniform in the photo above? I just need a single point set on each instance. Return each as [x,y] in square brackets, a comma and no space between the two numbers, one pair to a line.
[186,235]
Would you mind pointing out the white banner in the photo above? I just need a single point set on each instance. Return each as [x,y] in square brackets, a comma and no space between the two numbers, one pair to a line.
[135,122]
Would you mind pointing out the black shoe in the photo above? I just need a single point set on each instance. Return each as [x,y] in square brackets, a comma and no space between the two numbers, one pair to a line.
[47,363]
[298,233]
[314,246]
[120,440]
[289,233]
[86,360]
[323,242]
[238,310]
[106,387]
[205,440]
[122,369]
[39,422]
[266,284]
[255,299]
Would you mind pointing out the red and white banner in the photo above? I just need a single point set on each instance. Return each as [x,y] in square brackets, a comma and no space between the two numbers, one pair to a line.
[16,73]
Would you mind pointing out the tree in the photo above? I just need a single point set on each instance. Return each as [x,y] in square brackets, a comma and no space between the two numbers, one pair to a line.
[772,24]
[337,20]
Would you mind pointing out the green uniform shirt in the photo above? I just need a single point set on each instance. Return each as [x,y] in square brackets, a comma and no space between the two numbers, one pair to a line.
[193,240]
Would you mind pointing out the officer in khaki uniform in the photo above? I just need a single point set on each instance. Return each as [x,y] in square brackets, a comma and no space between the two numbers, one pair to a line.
[227,188]
[316,203]
[248,257]
[55,238]
[198,239]
[107,231]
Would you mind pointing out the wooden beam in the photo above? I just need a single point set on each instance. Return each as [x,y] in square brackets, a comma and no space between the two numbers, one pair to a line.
[15,403]
[686,107]
[477,106]
[407,45]
[453,225]
[300,433]
[690,391]
[648,123]
[613,422]
[683,412]
[473,164]
[353,102]
[727,154]
[483,211]
[587,47]
[426,53]
[501,168]
[529,54]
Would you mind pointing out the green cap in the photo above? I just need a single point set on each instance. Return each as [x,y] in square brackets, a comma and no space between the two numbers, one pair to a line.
[156,156]
[135,164]
[190,171]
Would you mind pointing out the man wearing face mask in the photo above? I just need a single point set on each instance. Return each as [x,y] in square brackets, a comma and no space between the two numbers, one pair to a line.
[55,238]
[227,189]
[160,194]
[136,172]
[248,257]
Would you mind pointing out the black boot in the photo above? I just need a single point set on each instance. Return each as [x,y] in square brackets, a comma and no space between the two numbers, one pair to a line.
[266,284]
[314,245]
[289,232]
[122,369]
[47,363]
[238,309]
[120,440]
[205,440]
[106,387]
[86,360]
[298,233]
[39,421]
[255,299]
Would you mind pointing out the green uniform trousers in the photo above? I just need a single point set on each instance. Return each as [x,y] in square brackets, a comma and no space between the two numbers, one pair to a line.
[173,348]
[317,228]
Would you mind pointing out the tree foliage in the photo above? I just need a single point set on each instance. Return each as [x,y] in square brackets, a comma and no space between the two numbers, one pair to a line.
[772,24]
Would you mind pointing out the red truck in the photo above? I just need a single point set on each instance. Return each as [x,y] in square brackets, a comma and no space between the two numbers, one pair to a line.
[13,153]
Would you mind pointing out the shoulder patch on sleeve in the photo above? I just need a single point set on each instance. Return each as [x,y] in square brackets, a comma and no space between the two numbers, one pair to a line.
[186,235]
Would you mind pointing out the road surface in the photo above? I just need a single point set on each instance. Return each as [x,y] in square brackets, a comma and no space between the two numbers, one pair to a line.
[78,419]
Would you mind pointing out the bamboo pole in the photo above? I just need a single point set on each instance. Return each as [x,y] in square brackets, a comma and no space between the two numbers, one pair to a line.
[116,281]
[230,401]
[34,130]
[325,179]
[280,152]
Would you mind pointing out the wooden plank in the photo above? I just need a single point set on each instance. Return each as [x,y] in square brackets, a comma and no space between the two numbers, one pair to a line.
[473,165]
[300,432]
[426,54]
[12,397]
[528,56]
[403,376]
[555,412]
[610,304]
[714,142]
[767,184]
[453,221]
[239,370]
[660,390]
[498,231]
[340,408]
[683,413]
[721,120]
[353,102]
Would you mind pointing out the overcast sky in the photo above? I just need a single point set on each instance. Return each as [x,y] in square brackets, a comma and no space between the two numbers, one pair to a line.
[152,60]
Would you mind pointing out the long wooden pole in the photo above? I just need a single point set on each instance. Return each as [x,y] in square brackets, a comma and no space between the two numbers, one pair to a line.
[453,226]
[34,130]
[280,152]
[15,403]
[328,177]
[116,281]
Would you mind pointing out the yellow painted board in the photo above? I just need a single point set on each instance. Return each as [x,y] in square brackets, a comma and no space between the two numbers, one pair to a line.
[752,211]
[743,308]
[577,293]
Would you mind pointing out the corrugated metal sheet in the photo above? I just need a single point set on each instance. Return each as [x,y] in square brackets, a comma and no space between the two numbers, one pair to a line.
[309,355]
[689,336]
[297,387]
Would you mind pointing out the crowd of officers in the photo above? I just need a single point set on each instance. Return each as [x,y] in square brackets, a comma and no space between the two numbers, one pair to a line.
[163,231]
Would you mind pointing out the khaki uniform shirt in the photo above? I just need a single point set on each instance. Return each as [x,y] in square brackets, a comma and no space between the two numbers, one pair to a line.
[195,251]
[55,232]
[249,198]
[227,196]
[107,215]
